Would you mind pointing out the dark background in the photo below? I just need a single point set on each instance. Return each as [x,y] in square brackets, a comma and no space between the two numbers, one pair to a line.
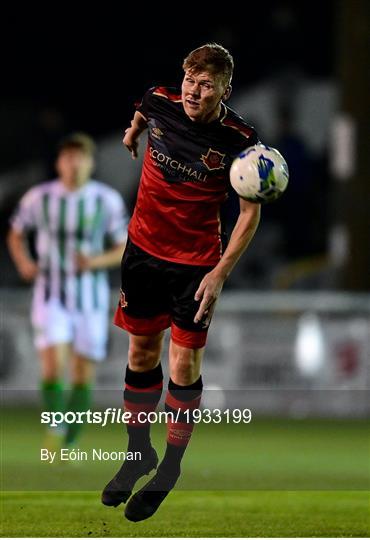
[66,68]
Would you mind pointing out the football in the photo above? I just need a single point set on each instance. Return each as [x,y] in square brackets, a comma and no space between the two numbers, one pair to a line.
[259,174]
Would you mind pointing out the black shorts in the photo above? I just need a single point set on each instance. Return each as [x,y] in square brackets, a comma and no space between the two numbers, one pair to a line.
[157,294]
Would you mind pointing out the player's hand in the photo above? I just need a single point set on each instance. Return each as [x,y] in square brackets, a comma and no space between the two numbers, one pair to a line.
[83,263]
[28,269]
[208,291]
[131,143]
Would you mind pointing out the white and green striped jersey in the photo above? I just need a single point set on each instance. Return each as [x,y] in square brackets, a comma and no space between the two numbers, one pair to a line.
[66,223]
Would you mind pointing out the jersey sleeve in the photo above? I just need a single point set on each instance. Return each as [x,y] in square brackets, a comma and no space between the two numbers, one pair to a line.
[24,216]
[117,218]
[248,137]
[254,139]
[145,105]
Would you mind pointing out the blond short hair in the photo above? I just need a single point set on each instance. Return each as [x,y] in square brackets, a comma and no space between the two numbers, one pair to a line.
[81,141]
[213,58]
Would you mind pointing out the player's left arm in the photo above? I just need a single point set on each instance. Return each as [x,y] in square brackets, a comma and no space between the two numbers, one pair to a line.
[115,232]
[107,259]
[212,283]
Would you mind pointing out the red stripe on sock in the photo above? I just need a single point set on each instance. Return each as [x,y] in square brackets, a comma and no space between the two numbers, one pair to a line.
[135,409]
[182,405]
[157,386]
[138,407]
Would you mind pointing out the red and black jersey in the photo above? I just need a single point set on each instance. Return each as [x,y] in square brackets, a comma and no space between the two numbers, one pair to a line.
[184,180]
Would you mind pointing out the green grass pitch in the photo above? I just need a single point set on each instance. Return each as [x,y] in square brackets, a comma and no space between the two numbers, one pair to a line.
[273,477]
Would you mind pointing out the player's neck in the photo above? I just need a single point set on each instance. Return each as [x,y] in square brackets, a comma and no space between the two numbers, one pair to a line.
[73,184]
[213,115]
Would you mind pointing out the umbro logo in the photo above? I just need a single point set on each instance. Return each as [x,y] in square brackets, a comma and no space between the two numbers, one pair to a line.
[157,133]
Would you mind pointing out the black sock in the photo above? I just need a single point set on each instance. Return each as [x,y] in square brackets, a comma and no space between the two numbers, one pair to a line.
[142,393]
[139,439]
[179,433]
[172,459]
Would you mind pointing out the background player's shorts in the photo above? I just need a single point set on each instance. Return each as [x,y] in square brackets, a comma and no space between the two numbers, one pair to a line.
[158,294]
[54,324]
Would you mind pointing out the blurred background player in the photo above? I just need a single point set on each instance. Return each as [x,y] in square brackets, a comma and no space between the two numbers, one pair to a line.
[80,230]
[173,269]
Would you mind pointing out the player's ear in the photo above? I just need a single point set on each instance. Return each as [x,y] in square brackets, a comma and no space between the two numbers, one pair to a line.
[227,92]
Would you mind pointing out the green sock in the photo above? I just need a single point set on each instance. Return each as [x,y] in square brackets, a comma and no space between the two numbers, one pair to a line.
[79,401]
[53,395]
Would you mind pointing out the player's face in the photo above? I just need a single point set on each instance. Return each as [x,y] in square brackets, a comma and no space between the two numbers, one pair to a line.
[74,167]
[202,94]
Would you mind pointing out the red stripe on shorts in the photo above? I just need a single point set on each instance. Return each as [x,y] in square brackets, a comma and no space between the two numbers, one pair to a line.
[141,327]
[188,338]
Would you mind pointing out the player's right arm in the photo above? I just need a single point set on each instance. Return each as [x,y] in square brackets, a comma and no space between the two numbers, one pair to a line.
[24,219]
[25,265]
[132,134]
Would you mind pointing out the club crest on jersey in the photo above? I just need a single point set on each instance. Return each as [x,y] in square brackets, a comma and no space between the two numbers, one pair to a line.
[157,133]
[213,160]
[122,299]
